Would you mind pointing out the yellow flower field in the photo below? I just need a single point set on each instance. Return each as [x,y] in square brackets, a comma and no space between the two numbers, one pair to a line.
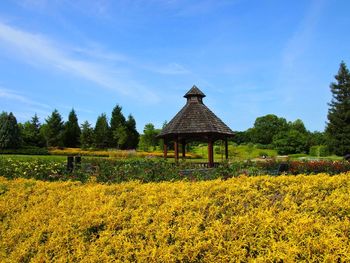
[263,219]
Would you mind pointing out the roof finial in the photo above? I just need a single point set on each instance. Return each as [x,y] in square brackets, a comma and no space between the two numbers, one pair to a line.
[194,92]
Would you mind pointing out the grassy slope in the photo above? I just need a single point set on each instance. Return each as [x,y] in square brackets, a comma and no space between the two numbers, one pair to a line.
[299,218]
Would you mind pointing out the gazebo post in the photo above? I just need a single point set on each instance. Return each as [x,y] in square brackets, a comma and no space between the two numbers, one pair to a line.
[176,150]
[226,148]
[183,149]
[210,153]
[165,149]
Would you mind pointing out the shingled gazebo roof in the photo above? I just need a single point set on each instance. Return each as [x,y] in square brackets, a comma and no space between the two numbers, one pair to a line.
[195,120]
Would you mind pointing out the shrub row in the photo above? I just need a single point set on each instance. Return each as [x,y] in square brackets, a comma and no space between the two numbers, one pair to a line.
[107,170]
[245,219]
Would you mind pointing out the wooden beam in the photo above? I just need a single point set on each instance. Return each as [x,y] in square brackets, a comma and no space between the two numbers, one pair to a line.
[165,149]
[210,153]
[176,150]
[226,149]
[183,149]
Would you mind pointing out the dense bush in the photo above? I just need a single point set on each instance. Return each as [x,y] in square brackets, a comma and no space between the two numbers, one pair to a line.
[246,219]
[26,150]
[319,151]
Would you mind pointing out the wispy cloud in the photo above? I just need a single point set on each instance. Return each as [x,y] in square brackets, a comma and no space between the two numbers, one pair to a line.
[170,69]
[15,96]
[40,50]
[299,42]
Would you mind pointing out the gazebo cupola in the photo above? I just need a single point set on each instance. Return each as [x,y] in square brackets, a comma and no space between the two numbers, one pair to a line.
[195,121]
[194,95]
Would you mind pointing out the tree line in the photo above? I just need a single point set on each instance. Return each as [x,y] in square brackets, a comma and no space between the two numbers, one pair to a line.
[119,132]
[292,137]
[269,131]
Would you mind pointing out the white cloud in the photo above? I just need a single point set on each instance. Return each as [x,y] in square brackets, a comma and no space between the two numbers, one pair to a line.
[299,42]
[39,50]
[170,69]
[13,95]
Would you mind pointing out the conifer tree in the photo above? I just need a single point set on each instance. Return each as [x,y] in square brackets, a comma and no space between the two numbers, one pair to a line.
[72,131]
[118,128]
[87,135]
[132,134]
[53,130]
[9,131]
[102,132]
[31,132]
[338,125]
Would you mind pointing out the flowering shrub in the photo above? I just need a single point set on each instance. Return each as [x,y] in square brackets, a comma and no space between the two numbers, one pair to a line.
[308,167]
[109,170]
[113,153]
[243,219]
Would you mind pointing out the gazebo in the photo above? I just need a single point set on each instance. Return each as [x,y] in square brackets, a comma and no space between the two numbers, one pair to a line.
[195,122]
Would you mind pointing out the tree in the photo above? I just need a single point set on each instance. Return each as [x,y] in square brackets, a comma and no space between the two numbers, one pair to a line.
[102,132]
[148,138]
[266,127]
[132,134]
[9,131]
[118,128]
[30,133]
[87,135]
[53,131]
[290,142]
[297,125]
[72,131]
[338,125]
[317,138]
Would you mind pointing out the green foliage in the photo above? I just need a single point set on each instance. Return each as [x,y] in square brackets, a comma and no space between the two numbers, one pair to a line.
[28,150]
[9,131]
[120,136]
[241,137]
[153,170]
[132,134]
[149,139]
[317,138]
[102,132]
[290,142]
[319,151]
[72,131]
[30,133]
[118,128]
[53,130]
[87,135]
[338,126]
[323,151]
[297,125]
[266,127]
[314,151]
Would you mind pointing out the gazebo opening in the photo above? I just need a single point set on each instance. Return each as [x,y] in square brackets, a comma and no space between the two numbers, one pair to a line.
[195,122]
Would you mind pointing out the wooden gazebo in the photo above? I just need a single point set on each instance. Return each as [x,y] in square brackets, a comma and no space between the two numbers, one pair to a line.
[195,122]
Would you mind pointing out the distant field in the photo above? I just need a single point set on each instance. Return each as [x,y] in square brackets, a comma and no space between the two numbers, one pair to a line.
[244,219]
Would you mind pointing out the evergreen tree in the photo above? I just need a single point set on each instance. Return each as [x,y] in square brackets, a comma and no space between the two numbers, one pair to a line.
[102,132]
[72,131]
[9,132]
[87,135]
[31,133]
[338,125]
[132,134]
[54,129]
[118,128]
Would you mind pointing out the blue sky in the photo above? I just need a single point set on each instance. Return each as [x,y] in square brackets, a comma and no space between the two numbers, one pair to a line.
[250,58]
